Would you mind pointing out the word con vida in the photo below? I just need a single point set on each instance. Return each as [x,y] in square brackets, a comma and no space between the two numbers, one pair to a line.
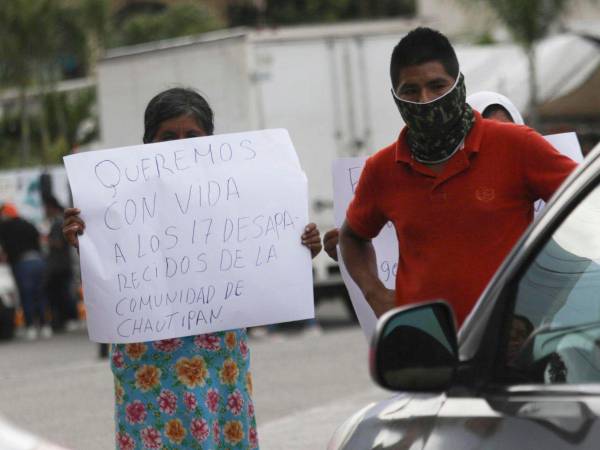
[111,175]
[199,195]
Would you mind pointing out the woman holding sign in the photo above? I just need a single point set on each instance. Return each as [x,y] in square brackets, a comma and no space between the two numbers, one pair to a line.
[194,391]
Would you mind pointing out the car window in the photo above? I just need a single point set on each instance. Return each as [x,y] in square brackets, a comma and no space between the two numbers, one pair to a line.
[552,334]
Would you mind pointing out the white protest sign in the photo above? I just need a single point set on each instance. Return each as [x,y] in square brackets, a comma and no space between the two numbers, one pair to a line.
[346,173]
[192,236]
[567,144]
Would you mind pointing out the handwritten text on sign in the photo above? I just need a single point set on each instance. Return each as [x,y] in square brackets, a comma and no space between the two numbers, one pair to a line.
[192,236]
[346,173]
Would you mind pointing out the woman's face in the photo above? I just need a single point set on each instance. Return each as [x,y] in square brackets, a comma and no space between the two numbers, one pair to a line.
[180,127]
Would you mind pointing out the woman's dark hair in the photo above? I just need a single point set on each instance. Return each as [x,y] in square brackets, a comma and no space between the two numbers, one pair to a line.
[492,109]
[173,103]
[420,46]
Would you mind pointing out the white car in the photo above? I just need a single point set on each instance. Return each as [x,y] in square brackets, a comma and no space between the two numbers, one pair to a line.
[523,372]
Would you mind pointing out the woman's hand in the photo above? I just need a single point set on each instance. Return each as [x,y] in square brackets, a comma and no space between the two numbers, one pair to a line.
[72,226]
[312,239]
[330,242]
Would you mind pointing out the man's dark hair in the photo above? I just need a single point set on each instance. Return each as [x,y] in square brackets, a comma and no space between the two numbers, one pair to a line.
[420,46]
[173,103]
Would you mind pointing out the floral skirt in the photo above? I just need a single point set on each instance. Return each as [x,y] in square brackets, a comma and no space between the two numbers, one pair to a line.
[186,393]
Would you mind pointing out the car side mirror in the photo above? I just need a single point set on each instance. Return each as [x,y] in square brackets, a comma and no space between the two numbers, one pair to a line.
[415,348]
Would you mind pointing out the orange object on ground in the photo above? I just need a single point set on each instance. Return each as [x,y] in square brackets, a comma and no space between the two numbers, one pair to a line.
[81,310]
[19,318]
[80,304]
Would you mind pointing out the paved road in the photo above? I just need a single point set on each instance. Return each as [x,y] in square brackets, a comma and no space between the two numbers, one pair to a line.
[304,386]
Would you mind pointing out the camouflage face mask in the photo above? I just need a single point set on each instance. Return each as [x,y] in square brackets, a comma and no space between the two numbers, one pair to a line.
[436,129]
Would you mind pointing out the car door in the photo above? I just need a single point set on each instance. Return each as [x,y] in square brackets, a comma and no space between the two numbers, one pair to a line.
[541,386]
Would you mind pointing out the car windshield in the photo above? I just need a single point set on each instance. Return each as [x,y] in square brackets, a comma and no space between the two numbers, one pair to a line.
[580,233]
[553,335]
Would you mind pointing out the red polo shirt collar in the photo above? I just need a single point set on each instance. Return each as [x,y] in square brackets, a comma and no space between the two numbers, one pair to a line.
[456,164]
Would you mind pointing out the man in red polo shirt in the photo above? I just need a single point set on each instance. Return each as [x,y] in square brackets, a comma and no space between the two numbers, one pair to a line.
[458,188]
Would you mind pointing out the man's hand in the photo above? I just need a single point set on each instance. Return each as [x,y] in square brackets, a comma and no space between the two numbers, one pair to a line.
[361,262]
[381,300]
[330,242]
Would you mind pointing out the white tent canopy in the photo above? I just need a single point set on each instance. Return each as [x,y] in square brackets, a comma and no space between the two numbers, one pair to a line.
[564,63]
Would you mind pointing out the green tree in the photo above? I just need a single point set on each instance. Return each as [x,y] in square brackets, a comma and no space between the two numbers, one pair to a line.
[528,21]
[279,12]
[38,37]
[72,120]
[23,54]
[179,19]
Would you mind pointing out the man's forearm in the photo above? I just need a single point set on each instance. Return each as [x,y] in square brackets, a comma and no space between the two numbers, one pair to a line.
[361,262]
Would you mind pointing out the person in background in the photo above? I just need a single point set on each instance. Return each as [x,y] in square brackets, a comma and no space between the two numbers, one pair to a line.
[20,241]
[451,183]
[495,106]
[194,391]
[59,270]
